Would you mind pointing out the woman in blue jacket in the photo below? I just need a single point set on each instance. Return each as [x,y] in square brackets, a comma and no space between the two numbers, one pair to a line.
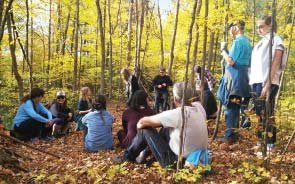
[32,118]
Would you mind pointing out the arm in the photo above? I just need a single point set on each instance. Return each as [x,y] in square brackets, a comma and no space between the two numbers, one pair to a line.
[148,122]
[29,109]
[227,58]
[274,68]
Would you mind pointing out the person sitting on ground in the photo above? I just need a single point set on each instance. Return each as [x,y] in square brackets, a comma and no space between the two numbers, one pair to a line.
[98,123]
[130,82]
[62,113]
[32,119]
[209,102]
[161,84]
[84,107]
[165,144]
[138,108]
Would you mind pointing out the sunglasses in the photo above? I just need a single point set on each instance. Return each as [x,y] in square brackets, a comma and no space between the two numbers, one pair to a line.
[61,97]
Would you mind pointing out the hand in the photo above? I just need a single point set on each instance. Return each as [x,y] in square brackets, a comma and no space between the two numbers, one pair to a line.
[164,84]
[159,86]
[223,46]
[264,91]
[70,115]
[49,123]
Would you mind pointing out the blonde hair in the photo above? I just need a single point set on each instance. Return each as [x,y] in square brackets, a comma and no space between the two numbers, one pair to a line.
[84,92]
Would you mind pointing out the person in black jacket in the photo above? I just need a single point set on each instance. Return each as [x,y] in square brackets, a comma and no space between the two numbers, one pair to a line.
[62,113]
[130,82]
[161,83]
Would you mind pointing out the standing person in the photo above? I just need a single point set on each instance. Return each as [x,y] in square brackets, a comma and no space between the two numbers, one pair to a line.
[234,86]
[32,119]
[208,76]
[84,106]
[130,82]
[62,113]
[161,84]
[99,124]
[165,144]
[262,85]
[138,108]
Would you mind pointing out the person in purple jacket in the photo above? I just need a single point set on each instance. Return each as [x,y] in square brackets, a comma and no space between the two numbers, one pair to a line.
[32,119]
[138,108]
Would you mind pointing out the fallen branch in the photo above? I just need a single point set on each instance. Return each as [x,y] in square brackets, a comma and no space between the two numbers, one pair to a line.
[290,140]
[29,146]
[217,122]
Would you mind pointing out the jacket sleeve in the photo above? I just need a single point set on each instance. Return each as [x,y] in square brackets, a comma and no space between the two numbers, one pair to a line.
[29,109]
[44,110]
[169,81]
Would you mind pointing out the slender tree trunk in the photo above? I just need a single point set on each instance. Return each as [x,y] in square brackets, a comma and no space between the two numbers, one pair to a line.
[173,39]
[32,43]
[49,45]
[216,52]
[136,36]
[27,36]
[129,35]
[65,33]
[146,42]
[110,50]
[12,46]
[102,42]
[5,17]
[161,36]
[22,47]
[204,50]
[254,22]
[211,49]
[183,125]
[196,43]
[141,23]
[76,45]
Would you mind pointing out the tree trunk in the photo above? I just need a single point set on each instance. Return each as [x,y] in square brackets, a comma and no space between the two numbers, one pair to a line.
[161,36]
[76,45]
[110,50]
[22,47]
[5,17]
[32,44]
[189,40]
[141,23]
[173,39]
[204,50]
[254,22]
[27,36]
[129,34]
[12,45]
[196,43]
[65,33]
[102,42]
[211,49]
[49,45]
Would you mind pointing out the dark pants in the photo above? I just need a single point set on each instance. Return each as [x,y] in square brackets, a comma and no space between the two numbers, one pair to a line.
[30,129]
[161,99]
[158,144]
[260,110]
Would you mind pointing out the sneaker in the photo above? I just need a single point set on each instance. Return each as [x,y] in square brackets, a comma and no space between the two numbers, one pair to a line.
[270,147]
[48,138]
[119,159]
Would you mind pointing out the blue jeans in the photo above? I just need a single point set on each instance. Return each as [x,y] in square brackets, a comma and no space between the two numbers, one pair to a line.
[158,144]
[260,110]
[232,113]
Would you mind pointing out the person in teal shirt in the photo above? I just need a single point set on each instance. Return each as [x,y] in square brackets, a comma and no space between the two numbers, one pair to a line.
[234,88]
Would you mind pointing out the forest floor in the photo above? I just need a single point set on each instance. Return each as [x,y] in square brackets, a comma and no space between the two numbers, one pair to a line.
[236,163]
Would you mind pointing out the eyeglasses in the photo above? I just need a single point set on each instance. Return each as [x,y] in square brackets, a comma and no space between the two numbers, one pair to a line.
[61,97]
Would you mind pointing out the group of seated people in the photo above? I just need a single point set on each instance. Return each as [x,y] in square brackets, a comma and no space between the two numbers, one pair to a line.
[143,133]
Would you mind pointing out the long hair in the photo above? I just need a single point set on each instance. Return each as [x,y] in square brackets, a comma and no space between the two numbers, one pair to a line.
[138,100]
[267,19]
[125,73]
[83,95]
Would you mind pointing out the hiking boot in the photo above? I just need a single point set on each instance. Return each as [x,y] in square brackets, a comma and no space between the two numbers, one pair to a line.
[119,159]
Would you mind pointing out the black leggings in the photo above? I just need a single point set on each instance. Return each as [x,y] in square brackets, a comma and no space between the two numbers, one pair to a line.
[30,129]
